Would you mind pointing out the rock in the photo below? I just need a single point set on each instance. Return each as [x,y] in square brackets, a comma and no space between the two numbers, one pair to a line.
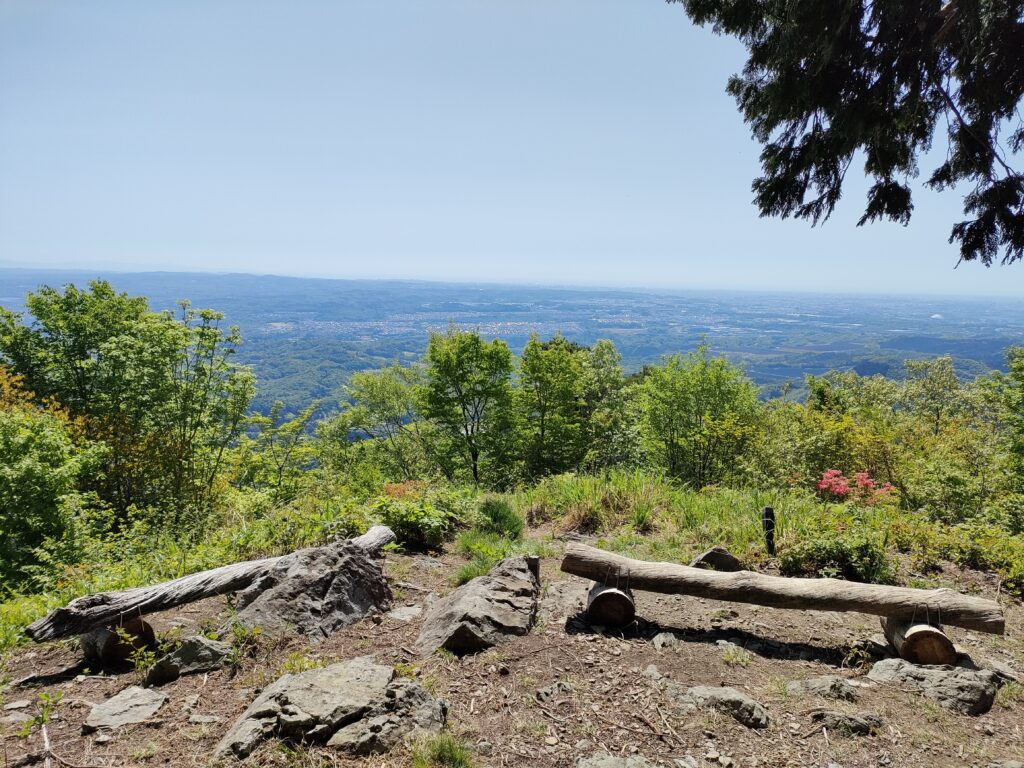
[651,672]
[549,692]
[828,686]
[196,654]
[613,761]
[357,706]
[203,719]
[717,559]
[485,611]
[19,704]
[485,748]
[665,640]
[1006,764]
[731,702]
[961,690]
[316,591]
[405,612]
[688,761]
[15,718]
[860,724]
[1004,671]
[566,598]
[130,706]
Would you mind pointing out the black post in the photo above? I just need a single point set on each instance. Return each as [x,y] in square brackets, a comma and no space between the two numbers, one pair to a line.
[768,523]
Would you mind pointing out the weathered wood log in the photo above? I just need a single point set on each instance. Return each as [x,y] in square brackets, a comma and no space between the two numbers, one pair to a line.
[782,592]
[609,606]
[917,642]
[108,608]
[110,646]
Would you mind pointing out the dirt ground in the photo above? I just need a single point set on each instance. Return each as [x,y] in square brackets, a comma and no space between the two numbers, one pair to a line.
[609,698]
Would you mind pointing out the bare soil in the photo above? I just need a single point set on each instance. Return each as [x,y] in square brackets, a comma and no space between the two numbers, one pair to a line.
[609,701]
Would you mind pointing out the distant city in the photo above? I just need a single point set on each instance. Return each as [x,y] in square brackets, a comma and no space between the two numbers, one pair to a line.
[304,336]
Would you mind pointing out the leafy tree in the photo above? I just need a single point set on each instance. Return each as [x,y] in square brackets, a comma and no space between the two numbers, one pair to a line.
[698,414]
[825,82]
[933,391]
[158,389]
[610,428]
[550,396]
[279,455]
[468,384]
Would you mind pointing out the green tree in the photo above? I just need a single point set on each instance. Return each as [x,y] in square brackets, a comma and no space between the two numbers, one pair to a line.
[550,399]
[159,389]
[698,413]
[468,384]
[611,437]
[879,80]
[279,455]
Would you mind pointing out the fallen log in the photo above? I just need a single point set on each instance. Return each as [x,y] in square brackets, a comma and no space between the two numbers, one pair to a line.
[109,608]
[783,592]
[918,642]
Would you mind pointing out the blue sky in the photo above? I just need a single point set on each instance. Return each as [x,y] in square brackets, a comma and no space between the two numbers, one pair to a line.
[548,141]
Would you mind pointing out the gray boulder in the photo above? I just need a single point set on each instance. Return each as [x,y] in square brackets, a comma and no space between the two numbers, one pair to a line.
[317,591]
[731,702]
[485,611]
[130,706]
[196,654]
[356,705]
[717,559]
[1006,764]
[860,724]
[828,686]
[970,691]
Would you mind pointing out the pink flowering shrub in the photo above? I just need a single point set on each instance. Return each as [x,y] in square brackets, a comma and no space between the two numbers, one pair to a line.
[834,485]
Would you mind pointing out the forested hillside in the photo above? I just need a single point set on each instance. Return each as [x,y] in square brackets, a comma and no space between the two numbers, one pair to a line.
[131,453]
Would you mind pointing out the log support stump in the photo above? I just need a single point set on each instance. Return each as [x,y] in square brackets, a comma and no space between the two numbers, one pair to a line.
[918,642]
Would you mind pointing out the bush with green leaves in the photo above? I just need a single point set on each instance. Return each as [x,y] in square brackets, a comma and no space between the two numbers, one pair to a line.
[422,516]
[837,555]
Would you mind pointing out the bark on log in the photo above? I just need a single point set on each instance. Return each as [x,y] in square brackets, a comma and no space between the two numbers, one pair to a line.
[919,643]
[107,608]
[782,592]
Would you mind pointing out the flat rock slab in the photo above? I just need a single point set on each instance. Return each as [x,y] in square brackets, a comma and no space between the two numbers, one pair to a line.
[197,654]
[485,611]
[317,591]
[130,706]
[717,559]
[729,701]
[614,761]
[860,724]
[357,706]
[969,691]
[828,686]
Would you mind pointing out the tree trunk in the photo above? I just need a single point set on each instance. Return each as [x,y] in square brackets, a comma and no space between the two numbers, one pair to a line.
[610,606]
[919,643]
[106,608]
[781,592]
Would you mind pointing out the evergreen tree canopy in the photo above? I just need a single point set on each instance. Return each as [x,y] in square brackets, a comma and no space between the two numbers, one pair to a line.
[827,80]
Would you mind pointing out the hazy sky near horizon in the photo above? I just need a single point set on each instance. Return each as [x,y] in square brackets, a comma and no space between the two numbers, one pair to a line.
[550,141]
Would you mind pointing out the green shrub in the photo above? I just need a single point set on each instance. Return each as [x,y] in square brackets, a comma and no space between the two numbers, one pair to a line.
[422,517]
[498,516]
[838,556]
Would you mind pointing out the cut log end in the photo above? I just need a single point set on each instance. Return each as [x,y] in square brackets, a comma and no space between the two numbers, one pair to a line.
[919,643]
[113,646]
[610,606]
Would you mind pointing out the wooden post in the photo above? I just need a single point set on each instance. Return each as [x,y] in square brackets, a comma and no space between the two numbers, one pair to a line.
[768,524]
[111,646]
[919,643]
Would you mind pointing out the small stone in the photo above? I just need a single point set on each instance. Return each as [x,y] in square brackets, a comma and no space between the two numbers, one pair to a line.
[860,724]
[718,559]
[551,741]
[197,654]
[203,719]
[405,612]
[19,704]
[828,686]
[651,672]
[687,761]
[712,755]
[665,640]
[485,748]
[103,738]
